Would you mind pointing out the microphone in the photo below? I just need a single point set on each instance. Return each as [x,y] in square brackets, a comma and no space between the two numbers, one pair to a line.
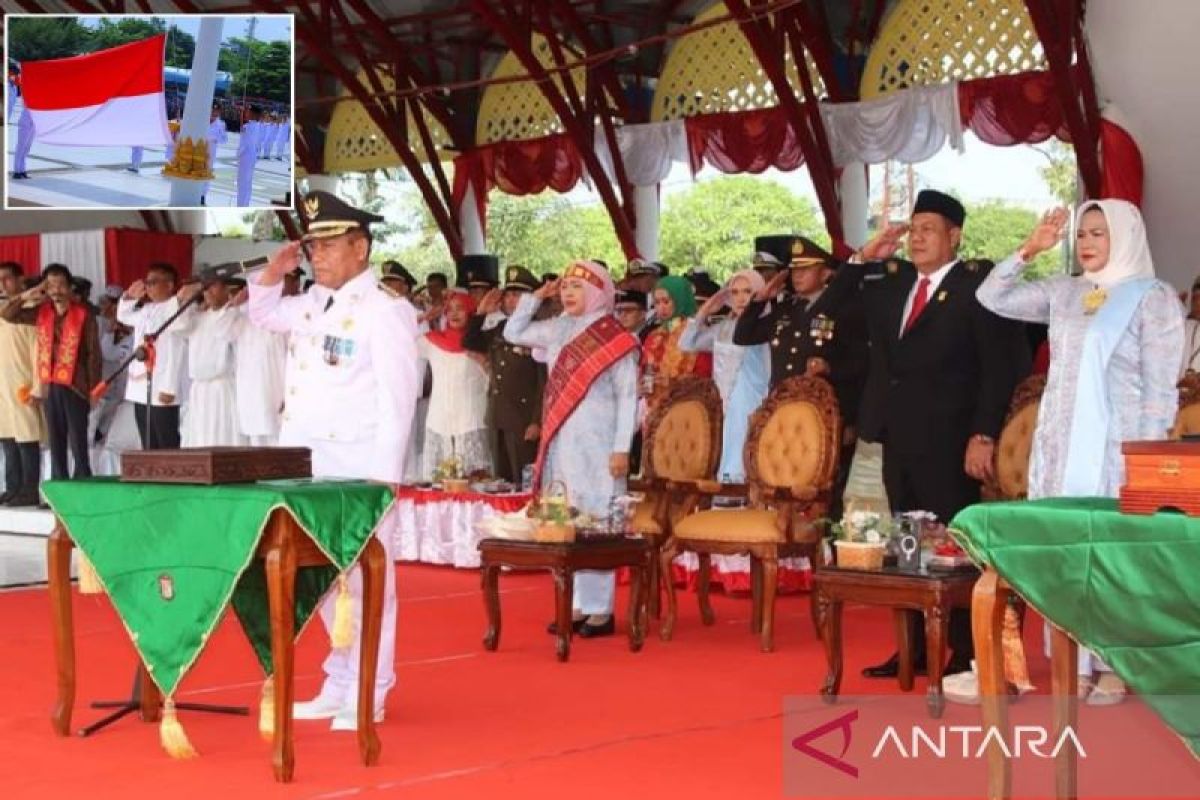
[213,273]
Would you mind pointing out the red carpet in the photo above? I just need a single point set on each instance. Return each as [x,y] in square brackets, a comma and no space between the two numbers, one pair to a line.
[697,717]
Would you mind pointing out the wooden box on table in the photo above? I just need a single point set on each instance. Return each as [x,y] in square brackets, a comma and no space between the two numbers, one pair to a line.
[1161,475]
[216,465]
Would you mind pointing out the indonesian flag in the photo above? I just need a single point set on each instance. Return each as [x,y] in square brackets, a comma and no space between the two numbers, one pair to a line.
[110,97]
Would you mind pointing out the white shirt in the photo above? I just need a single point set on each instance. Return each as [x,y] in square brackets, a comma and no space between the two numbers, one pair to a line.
[210,336]
[458,402]
[935,280]
[170,351]
[248,140]
[351,375]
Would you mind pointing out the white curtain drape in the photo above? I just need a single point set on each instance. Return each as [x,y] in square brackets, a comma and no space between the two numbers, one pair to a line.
[647,151]
[81,251]
[910,125]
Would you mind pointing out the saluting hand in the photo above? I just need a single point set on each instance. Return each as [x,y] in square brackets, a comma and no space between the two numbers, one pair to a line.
[548,289]
[490,302]
[774,286]
[885,244]
[712,305]
[283,261]
[136,290]
[34,294]
[1048,233]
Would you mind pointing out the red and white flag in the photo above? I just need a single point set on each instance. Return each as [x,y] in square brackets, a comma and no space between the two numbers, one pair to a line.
[110,97]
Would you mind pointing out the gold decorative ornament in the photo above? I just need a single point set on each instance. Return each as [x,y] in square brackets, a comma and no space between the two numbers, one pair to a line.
[312,206]
[190,161]
[1094,299]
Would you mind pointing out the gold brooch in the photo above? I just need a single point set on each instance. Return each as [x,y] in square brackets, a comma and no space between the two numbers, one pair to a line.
[942,296]
[1093,300]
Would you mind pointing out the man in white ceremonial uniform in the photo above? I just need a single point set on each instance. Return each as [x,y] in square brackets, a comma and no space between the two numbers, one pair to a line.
[283,141]
[145,306]
[247,154]
[216,136]
[211,332]
[24,144]
[259,358]
[351,388]
[135,158]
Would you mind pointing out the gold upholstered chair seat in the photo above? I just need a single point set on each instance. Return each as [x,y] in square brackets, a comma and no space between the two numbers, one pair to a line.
[643,520]
[791,459]
[1187,420]
[1010,459]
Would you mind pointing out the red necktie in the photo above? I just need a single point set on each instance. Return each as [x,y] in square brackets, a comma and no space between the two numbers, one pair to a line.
[918,304]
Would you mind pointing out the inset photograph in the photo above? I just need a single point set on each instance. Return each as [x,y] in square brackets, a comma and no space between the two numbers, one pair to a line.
[140,111]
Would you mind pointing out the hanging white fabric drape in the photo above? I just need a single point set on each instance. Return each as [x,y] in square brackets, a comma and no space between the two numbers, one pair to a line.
[647,151]
[909,125]
[81,251]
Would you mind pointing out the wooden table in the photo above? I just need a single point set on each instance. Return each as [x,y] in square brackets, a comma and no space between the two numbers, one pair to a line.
[990,598]
[284,547]
[563,559]
[932,593]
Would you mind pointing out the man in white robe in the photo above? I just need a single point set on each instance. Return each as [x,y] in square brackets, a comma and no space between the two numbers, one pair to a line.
[351,388]
[259,357]
[247,154]
[210,331]
[283,140]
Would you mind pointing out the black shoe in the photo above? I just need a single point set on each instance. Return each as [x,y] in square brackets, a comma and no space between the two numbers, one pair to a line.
[957,664]
[576,624]
[131,169]
[589,631]
[5,497]
[891,668]
[23,500]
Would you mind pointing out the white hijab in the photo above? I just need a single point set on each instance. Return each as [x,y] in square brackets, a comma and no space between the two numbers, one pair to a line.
[1128,250]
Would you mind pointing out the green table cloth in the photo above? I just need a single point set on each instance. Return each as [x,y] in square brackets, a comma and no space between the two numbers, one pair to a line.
[172,557]
[1122,585]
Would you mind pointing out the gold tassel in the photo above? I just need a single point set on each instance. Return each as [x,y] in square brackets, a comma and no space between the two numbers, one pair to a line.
[1016,670]
[342,634]
[89,581]
[170,733]
[266,710]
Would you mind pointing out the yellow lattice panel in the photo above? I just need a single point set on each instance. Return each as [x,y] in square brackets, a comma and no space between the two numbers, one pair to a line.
[355,143]
[518,110]
[714,70]
[926,42]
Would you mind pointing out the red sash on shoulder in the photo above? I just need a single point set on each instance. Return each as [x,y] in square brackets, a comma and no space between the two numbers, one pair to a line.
[579,364]
[57,365]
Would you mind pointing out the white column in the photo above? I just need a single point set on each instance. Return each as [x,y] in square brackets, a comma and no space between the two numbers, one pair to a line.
[856,208]
[471,227]
[645,207]
[322,183]
[198,107]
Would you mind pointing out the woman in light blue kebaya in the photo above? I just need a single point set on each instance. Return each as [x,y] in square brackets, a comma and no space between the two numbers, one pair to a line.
[1116,342]
[742,374]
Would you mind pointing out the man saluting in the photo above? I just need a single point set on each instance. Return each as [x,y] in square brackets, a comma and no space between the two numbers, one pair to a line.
[351,387]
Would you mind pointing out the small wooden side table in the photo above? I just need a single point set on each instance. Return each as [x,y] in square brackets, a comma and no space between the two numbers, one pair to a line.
[932,593]
[563,560]
[284,547]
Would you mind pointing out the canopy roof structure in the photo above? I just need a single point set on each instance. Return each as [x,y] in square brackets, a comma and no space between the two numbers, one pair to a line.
[419,83]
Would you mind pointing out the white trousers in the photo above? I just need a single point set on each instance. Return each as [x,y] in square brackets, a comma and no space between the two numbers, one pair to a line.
[24,141]
[341,666]
[245,181]
[594,591]
[1089,662]
[135,157]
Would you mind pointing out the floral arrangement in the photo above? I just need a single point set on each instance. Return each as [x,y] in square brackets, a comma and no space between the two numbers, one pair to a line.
[865,527]
[448,469]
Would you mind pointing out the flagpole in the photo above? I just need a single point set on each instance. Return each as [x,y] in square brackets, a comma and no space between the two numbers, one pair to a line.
[246,70]
[197,109]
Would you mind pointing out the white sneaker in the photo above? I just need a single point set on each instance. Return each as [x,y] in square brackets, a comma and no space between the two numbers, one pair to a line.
[323,706]
[962,688]
[347,719]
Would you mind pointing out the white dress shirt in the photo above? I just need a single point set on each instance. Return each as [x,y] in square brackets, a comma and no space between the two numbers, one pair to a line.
[935,280]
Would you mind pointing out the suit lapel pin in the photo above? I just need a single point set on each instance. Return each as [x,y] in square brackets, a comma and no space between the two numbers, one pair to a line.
[942,296]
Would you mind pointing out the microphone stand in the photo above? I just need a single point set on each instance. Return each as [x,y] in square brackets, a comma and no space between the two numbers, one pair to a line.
[145,352]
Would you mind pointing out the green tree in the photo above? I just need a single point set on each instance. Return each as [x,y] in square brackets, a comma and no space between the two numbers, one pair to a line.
[39,38]
[181,48]
[995,229]
[111,33]
[714,223]
[260,69]
[1060,173]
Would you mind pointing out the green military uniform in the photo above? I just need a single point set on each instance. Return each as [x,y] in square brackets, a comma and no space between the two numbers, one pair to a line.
[515,389]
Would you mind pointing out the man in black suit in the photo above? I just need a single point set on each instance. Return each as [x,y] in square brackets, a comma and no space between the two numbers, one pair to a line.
[942,371]
[817,328]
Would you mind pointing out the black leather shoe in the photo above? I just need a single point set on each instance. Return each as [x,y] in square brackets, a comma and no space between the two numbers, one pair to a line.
[589,631]
[5,497]
[576,624]
[891,668]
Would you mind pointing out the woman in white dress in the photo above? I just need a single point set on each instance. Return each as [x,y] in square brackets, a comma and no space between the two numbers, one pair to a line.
[456,424]
[1116,333]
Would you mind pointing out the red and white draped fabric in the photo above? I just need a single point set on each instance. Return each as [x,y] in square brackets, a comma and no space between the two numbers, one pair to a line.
[744,141]
[438,528]
[1012,109]
[103,255]
[110,97]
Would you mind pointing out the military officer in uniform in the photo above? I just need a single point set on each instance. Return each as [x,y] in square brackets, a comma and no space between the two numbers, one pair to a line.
[630,310]
[815,327]
[514,410]
[398,279]
[351,387]
[942,372]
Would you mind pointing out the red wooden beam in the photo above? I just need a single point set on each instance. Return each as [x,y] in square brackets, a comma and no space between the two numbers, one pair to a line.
[519,42]
[167,224]
[812,23]
[288,221]
[607,75]
[392,127]
[759,32]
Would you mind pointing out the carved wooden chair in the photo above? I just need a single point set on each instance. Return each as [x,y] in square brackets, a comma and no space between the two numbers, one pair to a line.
[682,445]
[1015,445]
[1187,421]
[791,459]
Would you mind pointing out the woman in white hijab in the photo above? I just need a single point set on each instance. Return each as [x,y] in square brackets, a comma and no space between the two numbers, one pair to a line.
[1116,342]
